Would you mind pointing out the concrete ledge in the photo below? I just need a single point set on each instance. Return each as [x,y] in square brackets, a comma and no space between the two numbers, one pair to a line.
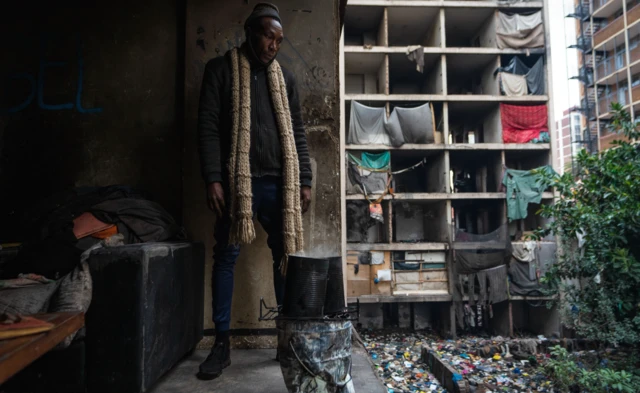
[448,377]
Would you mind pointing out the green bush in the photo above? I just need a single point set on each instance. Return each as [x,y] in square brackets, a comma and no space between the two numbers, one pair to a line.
[568,377]
[599,281]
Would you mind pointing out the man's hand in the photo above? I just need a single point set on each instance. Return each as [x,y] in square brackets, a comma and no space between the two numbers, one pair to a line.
[305,198]
[215,197]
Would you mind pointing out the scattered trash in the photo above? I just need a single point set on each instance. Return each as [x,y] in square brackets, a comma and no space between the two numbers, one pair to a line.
[487,363]
[397,361]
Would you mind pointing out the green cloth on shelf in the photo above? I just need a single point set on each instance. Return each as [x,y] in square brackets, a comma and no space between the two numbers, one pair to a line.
[523,188]
[373,161]
[542,138]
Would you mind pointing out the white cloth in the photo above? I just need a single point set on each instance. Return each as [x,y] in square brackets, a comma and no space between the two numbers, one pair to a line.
[519,31]
[514,85]
[525,252]
[369,125]
[366,125]
[507,24]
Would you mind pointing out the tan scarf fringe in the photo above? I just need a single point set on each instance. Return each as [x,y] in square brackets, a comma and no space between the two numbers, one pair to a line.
[242,228]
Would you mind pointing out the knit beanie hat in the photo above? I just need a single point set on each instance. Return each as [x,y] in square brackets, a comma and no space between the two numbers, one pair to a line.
[262,10]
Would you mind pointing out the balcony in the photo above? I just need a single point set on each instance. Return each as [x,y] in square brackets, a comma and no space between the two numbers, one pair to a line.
[604,104]
[609,31]
[597,4]
[635,94]
[614,94]
[607,70]
[616,27]
[605,8]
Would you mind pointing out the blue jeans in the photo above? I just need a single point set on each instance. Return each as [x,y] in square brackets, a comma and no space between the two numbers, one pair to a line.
[267,207]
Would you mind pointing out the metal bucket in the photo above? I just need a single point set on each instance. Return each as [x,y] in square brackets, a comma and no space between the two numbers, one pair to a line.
[334,300]
[305,287]
[315,357]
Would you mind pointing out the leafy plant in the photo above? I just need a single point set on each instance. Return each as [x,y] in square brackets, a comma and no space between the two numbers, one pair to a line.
[568,376]
[596,219]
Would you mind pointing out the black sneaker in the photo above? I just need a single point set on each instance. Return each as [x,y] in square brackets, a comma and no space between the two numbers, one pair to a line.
[219,358]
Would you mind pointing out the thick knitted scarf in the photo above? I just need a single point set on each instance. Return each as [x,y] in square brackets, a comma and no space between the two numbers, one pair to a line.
[242,228]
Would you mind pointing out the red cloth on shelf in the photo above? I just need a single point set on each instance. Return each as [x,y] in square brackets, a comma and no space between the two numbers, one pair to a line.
[522,123]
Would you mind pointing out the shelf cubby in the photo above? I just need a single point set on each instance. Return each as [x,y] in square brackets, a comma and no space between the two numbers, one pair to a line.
[414,26]
[472,74]
[420,221]
[470,27]
[405,79]
[475,171]
[482,119]
[365,26]
[429,178]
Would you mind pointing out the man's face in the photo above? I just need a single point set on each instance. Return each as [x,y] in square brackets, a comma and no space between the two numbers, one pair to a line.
[268,39]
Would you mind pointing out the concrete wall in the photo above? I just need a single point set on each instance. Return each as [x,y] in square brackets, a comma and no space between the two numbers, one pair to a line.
[104,96]
[310,51]
[88,98]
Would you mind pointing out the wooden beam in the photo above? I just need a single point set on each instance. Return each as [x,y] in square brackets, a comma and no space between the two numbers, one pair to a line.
[404,297]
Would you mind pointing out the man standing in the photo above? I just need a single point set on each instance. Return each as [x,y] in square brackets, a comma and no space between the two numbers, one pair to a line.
[255,162]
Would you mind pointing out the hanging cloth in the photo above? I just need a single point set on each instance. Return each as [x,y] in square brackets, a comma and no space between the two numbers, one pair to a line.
[517,31]
[522,123]
[369,125]
[416,53]
[366,125]
[523,188]
[513,85]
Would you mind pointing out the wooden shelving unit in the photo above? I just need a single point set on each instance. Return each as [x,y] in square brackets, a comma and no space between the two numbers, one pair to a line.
[460,57]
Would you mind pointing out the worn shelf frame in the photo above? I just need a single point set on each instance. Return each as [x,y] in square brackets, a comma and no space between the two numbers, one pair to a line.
[380,57]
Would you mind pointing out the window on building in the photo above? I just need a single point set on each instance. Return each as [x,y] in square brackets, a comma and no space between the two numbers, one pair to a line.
[622,95]
[619,60]
[633,42]
[635,81]
[576,125]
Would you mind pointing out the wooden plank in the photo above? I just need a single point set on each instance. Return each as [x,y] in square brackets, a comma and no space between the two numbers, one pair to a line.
[422,286]
[396,246]
[434,276]
[18,353]
[358,288]
[404,297]
[427,257]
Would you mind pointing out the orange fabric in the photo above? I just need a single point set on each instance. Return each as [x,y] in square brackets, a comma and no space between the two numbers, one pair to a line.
[87,224]
[112,230]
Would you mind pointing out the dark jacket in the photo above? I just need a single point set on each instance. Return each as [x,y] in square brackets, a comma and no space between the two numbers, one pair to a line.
[214,123]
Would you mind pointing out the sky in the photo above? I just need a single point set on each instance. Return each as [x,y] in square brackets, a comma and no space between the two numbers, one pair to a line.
[563,60]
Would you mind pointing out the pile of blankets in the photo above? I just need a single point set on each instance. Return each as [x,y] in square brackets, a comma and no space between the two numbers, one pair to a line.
[50,273]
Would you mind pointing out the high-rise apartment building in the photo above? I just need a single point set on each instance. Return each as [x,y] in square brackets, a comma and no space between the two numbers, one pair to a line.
[440,99]
[608,38]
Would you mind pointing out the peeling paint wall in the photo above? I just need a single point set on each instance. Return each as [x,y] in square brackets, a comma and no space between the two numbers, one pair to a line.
[89,97]
[310,50]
